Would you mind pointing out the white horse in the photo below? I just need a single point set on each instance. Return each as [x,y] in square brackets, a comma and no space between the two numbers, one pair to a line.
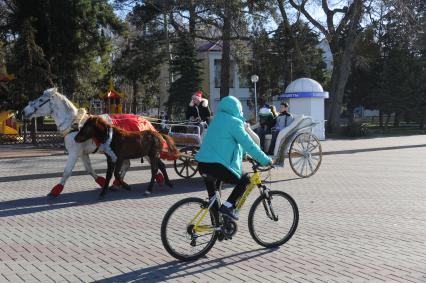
[67,119]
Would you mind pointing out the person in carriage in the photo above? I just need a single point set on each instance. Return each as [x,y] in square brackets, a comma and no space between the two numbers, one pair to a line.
[267,115]
[283,120]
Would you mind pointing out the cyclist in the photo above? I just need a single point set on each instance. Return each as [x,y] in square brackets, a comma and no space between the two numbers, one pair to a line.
[222,150]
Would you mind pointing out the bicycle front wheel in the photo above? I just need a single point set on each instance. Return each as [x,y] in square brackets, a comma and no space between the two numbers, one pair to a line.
[273,219]
[180,237]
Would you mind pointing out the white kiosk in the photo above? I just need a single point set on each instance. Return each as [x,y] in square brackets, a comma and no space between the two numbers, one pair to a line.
[306,97]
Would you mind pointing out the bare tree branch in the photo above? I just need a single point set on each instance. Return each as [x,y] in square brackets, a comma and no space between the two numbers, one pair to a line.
[330,16]
[302,9]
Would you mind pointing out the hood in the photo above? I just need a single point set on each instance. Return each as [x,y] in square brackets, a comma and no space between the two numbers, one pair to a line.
[232,106]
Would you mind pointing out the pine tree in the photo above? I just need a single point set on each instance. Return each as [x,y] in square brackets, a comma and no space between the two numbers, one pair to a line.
[186,68]
[31,69]
[73,36]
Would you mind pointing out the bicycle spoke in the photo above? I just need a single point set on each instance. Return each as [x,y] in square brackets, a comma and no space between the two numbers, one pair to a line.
[179,237]
[268,229]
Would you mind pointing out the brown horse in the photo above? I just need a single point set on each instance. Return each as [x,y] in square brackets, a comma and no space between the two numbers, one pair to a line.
[128,145]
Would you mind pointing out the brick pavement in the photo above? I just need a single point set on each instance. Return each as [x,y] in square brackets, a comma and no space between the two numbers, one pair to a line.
[362,219]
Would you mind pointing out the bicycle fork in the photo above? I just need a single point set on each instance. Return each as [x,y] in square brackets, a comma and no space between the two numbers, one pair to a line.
[267,204]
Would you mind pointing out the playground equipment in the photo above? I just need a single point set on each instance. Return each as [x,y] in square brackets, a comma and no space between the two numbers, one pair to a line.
[113,100]
[8,123]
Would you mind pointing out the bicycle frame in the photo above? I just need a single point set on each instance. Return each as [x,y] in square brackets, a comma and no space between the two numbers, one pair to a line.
[255,180]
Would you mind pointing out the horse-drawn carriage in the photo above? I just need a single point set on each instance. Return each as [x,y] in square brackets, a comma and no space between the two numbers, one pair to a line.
[296,142]
[188,137]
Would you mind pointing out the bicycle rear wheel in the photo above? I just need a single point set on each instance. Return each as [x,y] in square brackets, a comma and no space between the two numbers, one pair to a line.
[273,220]
[178,235]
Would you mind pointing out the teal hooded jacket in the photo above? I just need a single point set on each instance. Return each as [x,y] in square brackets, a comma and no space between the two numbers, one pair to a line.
[227,141]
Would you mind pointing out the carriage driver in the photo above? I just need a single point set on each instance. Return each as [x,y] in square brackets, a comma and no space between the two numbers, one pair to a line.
[198,108]
[220,157]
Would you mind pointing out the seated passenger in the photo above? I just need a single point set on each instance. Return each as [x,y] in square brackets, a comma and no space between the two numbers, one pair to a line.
[267,115]
[283,120]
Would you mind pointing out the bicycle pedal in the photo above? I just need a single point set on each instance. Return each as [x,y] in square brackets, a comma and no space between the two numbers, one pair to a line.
[221,237]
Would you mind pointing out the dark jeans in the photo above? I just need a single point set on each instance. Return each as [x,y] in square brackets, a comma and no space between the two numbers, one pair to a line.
[261,132]
[273,141]
[221,174]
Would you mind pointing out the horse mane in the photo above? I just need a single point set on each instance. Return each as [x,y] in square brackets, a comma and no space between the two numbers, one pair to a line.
[66,102]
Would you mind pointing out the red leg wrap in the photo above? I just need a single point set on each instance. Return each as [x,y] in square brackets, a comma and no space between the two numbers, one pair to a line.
[159,178]
[117,183]
[101,181]
[56,190]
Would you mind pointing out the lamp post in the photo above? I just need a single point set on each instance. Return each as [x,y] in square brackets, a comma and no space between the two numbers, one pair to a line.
[255,79]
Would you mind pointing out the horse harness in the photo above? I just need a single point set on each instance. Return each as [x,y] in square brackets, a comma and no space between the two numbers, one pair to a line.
[74,127]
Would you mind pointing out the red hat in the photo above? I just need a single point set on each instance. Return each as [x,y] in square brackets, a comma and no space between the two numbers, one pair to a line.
[198,93]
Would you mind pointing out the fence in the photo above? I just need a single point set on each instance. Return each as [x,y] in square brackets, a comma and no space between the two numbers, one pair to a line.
[43,135]
[53,139]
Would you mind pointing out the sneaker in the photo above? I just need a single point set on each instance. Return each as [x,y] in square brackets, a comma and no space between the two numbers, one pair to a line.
[228,211]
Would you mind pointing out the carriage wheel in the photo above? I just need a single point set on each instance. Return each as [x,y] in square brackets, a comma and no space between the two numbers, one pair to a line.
[305,155]
[186,166]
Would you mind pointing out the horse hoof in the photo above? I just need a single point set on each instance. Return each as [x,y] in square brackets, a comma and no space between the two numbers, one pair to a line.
[127,187]
[56,190]
[101,181]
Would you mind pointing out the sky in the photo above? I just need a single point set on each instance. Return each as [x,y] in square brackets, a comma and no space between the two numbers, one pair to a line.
[313,7]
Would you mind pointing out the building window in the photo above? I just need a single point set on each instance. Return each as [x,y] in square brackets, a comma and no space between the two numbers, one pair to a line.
[217,73]
[244,82]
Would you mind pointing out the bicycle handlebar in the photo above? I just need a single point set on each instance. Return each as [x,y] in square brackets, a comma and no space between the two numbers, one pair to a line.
[257,167]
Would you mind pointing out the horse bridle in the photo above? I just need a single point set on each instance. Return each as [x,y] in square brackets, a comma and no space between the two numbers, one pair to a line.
[38,107]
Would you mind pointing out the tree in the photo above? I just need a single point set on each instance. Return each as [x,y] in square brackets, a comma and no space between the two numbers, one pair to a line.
[74,37]
[186,67]
[365,74]
[387,65]
[342,38]
[140,60]
[274,58]
[31,69]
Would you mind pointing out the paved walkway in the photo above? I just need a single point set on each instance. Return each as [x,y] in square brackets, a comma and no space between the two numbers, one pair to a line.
[362,219]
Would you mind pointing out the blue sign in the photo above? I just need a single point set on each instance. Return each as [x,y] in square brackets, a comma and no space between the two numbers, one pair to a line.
[305,95]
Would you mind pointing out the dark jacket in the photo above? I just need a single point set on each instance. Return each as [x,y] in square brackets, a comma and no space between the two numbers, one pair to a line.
[201,110]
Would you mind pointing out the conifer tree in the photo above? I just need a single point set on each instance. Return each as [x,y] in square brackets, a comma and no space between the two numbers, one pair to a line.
[187,71]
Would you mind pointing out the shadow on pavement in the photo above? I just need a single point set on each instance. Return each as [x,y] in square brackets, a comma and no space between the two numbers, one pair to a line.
[351,151]
[168,271]
[74,173]
[88,197]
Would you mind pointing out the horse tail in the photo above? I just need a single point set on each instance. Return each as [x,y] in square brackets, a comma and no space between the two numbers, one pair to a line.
[171,145]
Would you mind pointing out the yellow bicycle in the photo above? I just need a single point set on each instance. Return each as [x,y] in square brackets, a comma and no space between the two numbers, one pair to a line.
[187,234]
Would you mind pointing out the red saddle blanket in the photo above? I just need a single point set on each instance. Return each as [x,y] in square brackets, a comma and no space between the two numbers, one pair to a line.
[135,123]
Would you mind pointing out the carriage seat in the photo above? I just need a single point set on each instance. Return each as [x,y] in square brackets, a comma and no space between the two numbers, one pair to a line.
[298,120]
